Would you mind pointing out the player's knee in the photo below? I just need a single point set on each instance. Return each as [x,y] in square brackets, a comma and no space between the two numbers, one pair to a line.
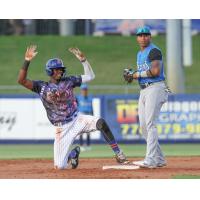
[101,123]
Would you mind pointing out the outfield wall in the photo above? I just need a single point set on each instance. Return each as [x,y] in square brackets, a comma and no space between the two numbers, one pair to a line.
[23,117]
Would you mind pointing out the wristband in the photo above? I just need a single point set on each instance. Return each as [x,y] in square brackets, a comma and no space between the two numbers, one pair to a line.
[143,74]
[26,64]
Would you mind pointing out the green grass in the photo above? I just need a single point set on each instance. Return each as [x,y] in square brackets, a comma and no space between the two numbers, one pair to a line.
[25,151]
[186,177]
[108,56]
[98,151]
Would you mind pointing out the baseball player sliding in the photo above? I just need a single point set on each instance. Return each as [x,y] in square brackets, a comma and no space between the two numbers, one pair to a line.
[61,107]
[153,94]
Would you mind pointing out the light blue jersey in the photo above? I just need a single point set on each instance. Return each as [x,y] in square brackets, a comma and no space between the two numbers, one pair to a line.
[144,64]
[85,104]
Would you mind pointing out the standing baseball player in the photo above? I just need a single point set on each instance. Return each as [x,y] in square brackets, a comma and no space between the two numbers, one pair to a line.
[60,103]
[153,94]
[85,107]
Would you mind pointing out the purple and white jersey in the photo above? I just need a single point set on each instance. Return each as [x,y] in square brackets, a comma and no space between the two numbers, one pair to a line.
[58,99]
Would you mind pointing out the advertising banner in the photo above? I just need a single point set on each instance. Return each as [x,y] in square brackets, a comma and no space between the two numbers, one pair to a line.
[179,118]
[24,118]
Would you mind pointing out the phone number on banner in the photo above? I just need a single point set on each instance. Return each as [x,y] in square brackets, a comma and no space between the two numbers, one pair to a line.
[165,129]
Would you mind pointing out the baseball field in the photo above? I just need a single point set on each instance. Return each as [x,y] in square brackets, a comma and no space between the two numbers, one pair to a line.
[108,56]
[36,162]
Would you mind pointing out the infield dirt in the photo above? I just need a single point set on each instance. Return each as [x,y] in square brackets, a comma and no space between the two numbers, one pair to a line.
[92,169]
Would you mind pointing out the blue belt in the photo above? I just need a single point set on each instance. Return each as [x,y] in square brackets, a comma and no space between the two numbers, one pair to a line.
[67,120]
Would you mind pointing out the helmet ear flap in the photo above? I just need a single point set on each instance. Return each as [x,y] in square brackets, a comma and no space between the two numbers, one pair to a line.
[49,72]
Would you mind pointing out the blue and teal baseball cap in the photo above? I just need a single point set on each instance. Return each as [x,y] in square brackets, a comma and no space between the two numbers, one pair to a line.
[143,30]
[84,86]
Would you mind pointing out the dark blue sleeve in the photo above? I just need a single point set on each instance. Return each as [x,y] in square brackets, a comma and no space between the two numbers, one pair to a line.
[155,54]
[76,81]
[37,85]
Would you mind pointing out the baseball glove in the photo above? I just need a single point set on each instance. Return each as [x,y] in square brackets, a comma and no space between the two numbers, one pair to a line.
[81,57]
[128,75]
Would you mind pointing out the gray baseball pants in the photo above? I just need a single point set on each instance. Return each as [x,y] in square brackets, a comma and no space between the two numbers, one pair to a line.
[150,102]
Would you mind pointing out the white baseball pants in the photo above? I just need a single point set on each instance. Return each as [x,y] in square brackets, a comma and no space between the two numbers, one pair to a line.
[66,134]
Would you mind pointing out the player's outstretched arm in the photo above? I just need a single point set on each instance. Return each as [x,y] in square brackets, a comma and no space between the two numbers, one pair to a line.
[29,55]
[88,72]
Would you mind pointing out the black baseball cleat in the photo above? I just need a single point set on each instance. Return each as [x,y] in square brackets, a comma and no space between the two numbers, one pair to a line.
[74,161]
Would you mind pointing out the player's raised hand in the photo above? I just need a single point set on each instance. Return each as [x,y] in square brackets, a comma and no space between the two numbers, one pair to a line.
[81,57]
[31,52]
